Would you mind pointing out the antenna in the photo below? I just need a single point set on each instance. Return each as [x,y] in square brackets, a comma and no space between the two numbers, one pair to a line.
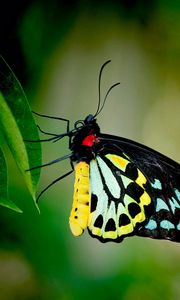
[99,109]
[99,86]
[106,96]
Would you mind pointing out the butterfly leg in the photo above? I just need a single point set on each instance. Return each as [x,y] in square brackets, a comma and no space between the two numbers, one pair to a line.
[45,132]
[51,162]
[55,118]
[52,183]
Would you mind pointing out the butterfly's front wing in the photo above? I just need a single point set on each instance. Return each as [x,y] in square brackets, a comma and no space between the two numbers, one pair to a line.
[162,185]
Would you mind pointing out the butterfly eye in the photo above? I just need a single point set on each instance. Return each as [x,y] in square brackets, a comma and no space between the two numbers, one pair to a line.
[89,119]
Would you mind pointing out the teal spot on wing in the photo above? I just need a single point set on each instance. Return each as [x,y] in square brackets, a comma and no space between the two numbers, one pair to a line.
[157,184]
[174,204]
[167,224]
[178,226]
[161,205]
[177,193]
[151,225]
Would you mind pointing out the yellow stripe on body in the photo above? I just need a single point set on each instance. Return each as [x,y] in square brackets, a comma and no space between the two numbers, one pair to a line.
[81,199]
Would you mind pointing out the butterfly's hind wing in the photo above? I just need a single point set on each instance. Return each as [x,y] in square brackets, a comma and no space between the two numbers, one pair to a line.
[135,191]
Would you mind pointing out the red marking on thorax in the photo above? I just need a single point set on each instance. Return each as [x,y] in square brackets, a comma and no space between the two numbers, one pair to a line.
[89,140]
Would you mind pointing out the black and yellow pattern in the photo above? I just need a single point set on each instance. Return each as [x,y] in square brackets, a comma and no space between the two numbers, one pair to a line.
[136,197]
[114,216]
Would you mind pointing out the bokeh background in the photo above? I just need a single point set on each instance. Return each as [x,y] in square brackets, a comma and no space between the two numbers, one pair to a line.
[56,49]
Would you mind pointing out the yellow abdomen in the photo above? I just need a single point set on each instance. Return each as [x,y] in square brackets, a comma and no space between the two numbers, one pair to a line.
[81,199]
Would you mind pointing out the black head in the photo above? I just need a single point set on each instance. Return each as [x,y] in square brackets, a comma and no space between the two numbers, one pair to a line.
[89,119]
[84,128]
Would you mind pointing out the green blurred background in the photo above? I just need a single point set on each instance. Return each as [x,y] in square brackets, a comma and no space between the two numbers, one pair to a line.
[56,49]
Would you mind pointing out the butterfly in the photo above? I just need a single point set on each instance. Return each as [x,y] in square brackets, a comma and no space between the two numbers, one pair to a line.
[121,188]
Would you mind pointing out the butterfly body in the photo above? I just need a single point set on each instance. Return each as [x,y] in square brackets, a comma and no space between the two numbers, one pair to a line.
[128,189]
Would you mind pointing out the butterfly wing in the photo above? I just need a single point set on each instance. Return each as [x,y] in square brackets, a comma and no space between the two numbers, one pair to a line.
[134,191]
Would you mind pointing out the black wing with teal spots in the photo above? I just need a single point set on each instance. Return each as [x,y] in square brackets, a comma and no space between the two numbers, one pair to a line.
[151,180]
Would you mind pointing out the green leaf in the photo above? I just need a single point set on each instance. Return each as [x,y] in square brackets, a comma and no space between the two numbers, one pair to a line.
[17,125]
[4,199]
